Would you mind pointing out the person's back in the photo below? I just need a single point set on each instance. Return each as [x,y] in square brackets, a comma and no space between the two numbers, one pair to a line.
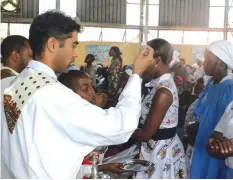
[16,53]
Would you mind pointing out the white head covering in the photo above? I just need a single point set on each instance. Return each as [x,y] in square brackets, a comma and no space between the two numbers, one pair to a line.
[175,59]
[200,57]
[129,72]
[223,50]
[195,66]
[97,67]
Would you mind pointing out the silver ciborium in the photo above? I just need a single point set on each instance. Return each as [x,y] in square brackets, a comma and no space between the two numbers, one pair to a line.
[95,159]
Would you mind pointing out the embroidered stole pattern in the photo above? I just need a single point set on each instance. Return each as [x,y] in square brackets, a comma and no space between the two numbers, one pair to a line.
[20,94]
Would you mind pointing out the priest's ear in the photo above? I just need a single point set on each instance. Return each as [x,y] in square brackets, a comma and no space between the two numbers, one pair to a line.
[52,45]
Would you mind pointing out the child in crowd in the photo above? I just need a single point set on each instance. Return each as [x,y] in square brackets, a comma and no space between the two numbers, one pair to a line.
[81,84]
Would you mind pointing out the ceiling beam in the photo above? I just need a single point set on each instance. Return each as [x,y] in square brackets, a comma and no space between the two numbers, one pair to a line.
[120,26]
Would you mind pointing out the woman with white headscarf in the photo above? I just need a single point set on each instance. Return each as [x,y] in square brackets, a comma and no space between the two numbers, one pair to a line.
[199,73]
[176,67]
[211,106]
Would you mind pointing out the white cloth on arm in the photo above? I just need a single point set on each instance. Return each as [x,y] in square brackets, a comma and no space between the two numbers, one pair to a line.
[223,50]
[57,128]
[225,126]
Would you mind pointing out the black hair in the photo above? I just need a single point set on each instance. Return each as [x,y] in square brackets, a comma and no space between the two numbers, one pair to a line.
[50,24]
[161,48]
[124,67]
[90,56]
[118,53]
[10,44]
[68,79]
[105,72]
[99,71]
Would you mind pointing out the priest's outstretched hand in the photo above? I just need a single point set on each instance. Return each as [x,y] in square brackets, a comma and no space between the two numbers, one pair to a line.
[143,60]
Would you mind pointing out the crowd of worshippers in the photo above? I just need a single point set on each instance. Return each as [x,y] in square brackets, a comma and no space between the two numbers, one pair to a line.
[186,118]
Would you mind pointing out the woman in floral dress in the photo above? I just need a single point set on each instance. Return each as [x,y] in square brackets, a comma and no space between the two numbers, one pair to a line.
[114,71]
[159,119]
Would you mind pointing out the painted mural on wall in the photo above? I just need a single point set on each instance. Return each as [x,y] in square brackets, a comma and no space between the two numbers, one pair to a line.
[101,52]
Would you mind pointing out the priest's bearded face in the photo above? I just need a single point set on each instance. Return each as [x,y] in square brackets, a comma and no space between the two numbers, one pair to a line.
[67,53]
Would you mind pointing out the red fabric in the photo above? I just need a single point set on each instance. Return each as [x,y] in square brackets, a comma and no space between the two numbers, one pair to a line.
[179,80]
[88,162]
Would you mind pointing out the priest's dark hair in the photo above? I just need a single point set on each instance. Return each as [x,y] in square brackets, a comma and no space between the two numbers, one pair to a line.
[50,24]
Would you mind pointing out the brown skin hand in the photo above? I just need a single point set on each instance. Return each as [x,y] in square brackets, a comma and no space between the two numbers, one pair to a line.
[219,146]
[162,100]
[116,168]
[101,99]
